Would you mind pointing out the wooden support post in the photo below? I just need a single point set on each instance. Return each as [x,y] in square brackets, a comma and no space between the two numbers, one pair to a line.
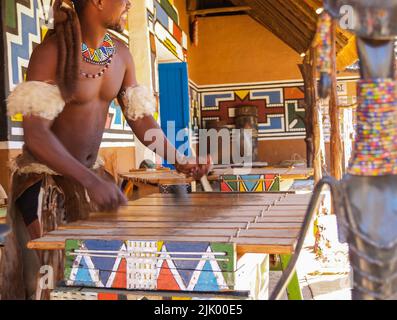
[318,156]
[218,10]
[336,141]
[313,132]
[305,70]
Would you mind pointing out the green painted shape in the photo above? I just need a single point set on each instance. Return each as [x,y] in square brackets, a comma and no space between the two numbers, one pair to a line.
[70,246]
[296,115]
[228,267]
[276,185]
[293,290]
[172,13]
[10,14]
[232,182]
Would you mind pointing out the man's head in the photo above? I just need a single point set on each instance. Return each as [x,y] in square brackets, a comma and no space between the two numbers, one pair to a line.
[111,14]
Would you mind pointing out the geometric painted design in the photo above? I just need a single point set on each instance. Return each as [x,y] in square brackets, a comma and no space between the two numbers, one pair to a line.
[279,106]
[150,265]
[173,189]
[295,116]
[250,183]
[163,21]
[101,54]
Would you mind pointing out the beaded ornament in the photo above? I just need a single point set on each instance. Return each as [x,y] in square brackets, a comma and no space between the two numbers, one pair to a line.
[324,43]
[375,150]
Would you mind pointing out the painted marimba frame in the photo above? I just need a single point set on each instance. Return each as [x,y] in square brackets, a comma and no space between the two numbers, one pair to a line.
[203,230]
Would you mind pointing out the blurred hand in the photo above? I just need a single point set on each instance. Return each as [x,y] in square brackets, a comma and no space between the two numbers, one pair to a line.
[106,195]
[194,167]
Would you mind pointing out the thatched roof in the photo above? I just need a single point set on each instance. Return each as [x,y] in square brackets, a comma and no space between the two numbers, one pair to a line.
[292,21]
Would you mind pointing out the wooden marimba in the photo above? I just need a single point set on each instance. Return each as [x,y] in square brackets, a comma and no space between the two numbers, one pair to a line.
[141,183]
[200,243]
[266,179]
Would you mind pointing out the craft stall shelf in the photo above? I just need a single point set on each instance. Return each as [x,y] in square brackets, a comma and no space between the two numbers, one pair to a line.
[141,183]
[204,244]
[265,179]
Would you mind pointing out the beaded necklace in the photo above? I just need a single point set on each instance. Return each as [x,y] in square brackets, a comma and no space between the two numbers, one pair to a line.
[102,56]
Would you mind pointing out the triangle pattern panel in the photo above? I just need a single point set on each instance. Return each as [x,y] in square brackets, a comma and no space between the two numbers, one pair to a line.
[83,274]
[251,182]
[260,186]
[166,280]
[105,265]
[269,181]
[207,280]
[186,267]
[225,187]
[120,279]
[232,182]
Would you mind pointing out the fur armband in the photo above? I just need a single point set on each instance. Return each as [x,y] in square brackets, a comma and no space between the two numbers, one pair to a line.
[36,98]
[139,102]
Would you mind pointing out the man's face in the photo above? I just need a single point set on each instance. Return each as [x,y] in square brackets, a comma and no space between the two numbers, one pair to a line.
[115,12]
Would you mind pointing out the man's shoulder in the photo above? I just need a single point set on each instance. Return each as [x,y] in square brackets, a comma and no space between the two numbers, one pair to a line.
[43,61]
[122,50]
[48,47]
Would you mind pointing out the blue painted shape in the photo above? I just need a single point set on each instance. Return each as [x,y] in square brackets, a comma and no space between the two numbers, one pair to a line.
[276,123]
[250,181]
[83,276]
[207,280]
[118,118]
[29,27]
[161,15]
[105,265]
[274,96]
[186,267]
[174,104]
[210,99]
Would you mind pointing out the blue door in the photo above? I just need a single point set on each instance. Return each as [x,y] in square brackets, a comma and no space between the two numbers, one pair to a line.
[174,104]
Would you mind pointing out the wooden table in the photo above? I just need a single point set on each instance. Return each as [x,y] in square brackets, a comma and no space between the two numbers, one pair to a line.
[141,183]
[267,223]
[258,179]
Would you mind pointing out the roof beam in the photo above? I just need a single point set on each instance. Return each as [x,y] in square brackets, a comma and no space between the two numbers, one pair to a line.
[219,10]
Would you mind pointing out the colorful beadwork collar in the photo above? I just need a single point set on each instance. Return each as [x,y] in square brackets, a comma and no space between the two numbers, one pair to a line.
[101,55]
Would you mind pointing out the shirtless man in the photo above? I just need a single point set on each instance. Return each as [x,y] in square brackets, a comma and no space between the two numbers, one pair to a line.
[65,104]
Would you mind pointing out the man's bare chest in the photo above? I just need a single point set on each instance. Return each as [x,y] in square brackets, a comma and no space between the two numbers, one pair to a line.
[104,88]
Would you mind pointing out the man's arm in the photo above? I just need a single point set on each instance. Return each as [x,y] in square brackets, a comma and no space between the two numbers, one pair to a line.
[45,146]
[157,142]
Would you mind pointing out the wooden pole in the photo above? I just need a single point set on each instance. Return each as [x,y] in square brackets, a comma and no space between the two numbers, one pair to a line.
[313,132]
[218,10]
[317,138]
[336,141]
[305,69]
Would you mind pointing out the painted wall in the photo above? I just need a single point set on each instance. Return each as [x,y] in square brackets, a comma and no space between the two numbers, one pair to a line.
[237,49]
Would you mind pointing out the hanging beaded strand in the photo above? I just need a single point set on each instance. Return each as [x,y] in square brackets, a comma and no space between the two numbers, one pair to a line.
[324,43]
[99,74]
[375,150]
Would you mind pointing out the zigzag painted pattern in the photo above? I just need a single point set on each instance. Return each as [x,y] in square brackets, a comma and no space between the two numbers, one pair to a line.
[20,45]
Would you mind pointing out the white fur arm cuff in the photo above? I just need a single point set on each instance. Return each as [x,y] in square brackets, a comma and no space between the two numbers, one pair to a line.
[36,98]
[138,102]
